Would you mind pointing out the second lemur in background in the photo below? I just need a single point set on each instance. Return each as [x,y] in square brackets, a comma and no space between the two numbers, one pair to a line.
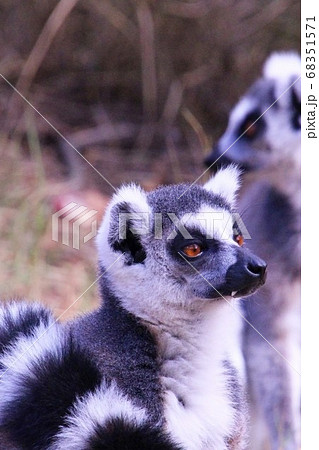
[263,137]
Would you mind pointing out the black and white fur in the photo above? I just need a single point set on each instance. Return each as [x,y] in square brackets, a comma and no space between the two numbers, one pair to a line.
[270,205]
[159,364]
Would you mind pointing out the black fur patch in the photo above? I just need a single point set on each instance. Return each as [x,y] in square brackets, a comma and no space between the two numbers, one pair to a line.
[132,247]
[11,328]
[33,418]
[130,244]
[296,110]
[118,435]
[253,120]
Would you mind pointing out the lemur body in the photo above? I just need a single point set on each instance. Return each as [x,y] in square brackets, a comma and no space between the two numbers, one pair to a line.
[270,206]
[140,368]
[186,366]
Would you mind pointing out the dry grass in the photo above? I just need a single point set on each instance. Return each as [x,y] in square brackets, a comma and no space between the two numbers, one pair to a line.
[32,265]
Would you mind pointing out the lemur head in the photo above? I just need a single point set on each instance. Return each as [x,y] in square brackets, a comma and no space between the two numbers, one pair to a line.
[257,137]
[176,246]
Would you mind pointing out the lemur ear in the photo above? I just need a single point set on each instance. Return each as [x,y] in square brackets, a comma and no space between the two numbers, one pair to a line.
[225,183]
[284,69]
[126,221]
[282,65]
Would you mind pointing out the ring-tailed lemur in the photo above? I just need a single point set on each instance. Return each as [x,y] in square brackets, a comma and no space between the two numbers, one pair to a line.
[270,202]
[159,364]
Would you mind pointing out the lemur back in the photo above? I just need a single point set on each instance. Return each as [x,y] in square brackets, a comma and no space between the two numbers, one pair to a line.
[137,372]
[266,122]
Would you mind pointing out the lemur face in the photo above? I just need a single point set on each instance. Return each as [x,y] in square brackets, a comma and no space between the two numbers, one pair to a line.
[177,245]
[264,127]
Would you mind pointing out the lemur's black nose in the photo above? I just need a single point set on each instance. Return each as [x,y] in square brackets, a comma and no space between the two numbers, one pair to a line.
[247,274]
[254,274]
[257,268]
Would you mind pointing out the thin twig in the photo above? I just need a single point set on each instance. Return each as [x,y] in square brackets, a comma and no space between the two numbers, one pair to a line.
[40,49]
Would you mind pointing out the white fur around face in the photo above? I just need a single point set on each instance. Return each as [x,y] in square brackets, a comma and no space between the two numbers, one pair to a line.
[212,223]
[225,183]
[284,68]
[285,143]
[93,410]
[237,114]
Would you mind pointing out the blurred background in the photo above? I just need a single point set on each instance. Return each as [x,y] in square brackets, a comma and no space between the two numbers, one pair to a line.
[140,88]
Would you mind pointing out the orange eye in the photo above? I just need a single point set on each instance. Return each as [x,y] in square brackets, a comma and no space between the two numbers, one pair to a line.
[192,250]
[251,129]
[239,239]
